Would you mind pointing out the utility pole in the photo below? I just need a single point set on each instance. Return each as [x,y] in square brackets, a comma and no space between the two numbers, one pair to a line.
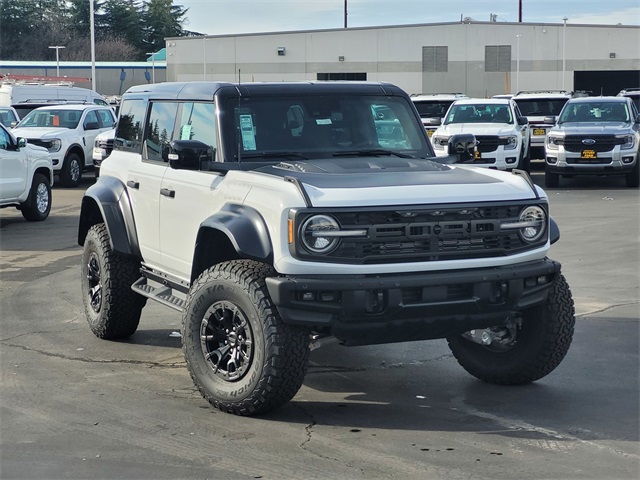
[564,49]
[345,13]
[57,47]
[520,11]
[93,47]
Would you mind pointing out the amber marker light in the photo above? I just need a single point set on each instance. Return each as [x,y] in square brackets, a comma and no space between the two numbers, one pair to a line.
[290,231]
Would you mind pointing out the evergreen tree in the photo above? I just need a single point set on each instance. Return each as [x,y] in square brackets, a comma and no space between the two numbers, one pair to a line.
[162,19]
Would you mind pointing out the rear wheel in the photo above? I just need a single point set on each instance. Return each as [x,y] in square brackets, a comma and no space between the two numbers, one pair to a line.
[71,172]
[242,357]
[525,348]
[112,309]
[38,205]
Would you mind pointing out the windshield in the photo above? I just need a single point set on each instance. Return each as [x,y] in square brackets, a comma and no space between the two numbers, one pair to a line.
[52,118]
[540,107]
[582,112]
[479,113]
[432,108]
[317,126]
[7,116]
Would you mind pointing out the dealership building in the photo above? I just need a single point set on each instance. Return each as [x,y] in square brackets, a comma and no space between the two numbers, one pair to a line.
[477,58]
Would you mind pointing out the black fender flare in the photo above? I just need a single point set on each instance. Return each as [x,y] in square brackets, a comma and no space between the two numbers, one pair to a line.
[243,227]
[108,201]
[554,231]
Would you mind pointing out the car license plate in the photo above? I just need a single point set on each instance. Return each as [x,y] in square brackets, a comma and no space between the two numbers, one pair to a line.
[539,131]
[430,133]
[478,155]
[589,154]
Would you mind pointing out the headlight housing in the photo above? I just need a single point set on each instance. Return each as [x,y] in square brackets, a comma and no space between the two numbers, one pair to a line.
[439,142]
[56,144]
[553,142]
[626,141]
[316,233]
[531,224]
[511,142]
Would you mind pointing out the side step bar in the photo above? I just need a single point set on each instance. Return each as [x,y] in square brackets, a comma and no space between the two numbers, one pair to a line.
[158,292]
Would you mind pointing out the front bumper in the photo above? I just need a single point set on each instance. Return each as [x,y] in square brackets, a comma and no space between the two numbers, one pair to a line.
[365,310]
[616,161]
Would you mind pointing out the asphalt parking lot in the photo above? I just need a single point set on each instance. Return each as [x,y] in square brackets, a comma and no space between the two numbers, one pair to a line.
[74,406]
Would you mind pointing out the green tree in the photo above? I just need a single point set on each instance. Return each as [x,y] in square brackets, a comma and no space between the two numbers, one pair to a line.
[123,19]
[162,19]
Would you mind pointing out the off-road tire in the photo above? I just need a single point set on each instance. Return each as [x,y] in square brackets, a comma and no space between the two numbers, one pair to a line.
[112,309]
[632,179]
[71,171]
[551,180]
[542,343]
[278,353]
[38,204]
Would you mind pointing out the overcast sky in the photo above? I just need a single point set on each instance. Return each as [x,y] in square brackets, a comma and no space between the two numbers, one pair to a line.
[220,17]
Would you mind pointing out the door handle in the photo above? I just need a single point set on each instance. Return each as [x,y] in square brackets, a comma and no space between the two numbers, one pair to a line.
[167,193]
[133,184]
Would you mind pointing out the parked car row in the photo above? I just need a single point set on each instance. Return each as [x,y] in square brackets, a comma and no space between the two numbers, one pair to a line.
[574,133]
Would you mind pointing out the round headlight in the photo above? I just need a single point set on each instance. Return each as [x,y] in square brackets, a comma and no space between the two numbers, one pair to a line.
[535,221]
[312,233]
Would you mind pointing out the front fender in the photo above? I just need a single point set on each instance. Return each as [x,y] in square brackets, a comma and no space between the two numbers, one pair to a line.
[236,231]
[108,201]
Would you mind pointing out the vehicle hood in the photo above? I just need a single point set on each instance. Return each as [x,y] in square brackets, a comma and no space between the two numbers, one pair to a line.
[353,182]
[35,152]
[476,129]
[40,132]
[593,128]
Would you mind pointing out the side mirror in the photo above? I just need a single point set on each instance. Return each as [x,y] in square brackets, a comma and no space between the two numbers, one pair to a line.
[22,142]
[463,146]
[92,126]
[189,154]
[522,121]
[638,118]
[550,120]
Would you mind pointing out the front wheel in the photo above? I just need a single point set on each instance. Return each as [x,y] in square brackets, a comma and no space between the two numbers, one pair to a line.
[38,204]
[525,349]
[242,357]
[632,179]
[71,172]
[112,309]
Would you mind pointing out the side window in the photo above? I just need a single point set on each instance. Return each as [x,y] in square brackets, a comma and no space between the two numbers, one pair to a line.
[130,125]
[197,122]
[106,118]
[5,140]
[162,121]
[91,117]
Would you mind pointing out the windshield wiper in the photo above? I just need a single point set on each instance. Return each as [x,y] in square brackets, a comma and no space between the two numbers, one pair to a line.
[274,155]
[372,153]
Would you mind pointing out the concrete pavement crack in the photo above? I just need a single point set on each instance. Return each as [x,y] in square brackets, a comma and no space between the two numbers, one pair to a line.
[92,360]
[609,307]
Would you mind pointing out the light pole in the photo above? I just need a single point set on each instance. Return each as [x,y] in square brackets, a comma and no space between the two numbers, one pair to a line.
[93,46]
[57,47]
[564,49]
[153,66]
[518,63]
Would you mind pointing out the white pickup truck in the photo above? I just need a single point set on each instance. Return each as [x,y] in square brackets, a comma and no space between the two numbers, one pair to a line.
[26,176]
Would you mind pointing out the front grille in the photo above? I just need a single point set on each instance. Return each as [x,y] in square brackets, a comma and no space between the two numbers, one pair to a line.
[603,143]
[40,143]
[107,145]
[434,234]
[489,143]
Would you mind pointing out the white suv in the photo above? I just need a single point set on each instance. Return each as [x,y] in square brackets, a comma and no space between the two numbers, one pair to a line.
[26,177]
[267,214]
[432,108]
[537,106]
[68,132]
[501,132]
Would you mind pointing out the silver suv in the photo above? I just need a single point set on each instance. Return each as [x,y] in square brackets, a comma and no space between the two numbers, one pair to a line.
[594,136]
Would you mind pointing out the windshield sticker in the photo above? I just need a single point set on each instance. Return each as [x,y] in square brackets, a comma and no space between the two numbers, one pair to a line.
[248,135]
[323,121]
[185,132]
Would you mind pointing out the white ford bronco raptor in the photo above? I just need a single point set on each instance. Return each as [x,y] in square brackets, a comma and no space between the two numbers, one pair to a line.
[271,213]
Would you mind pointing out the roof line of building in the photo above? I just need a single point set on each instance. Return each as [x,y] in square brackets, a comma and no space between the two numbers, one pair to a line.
[381,27]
